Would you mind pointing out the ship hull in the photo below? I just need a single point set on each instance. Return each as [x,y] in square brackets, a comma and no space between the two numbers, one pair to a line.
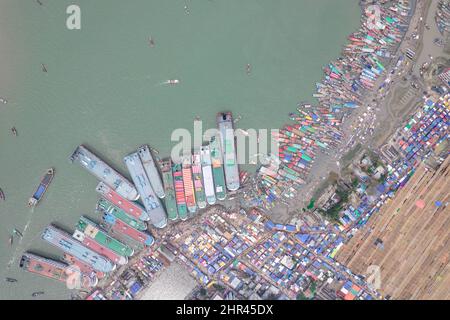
[151,170]
[131,208]
[225,124]
[169,189]
[57,270]
[104,172]
[42,188]
[100,249]
[198,180]
[179,191]
[66,243]
[83,267]
[208,180]
[106,206]
[217,170]
[189,191]
[151,202]
[122,228]
[92,230]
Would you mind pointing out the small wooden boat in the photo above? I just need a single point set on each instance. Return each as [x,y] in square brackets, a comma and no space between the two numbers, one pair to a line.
[44,68]
[18,233]
[173,81]
[11,240]
[2,195]
[10,280]
[40,191]
[14,131]
[37,293]
[3,100]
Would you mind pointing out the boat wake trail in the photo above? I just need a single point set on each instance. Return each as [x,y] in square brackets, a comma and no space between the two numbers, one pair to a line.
[14,255]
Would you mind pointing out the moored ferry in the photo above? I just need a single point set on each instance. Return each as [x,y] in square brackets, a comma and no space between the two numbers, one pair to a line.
[208,180]
[169,189]
[42,188]
[64,241]
[179,190]
[57,270]
[189,191]
[130,207]
[104,172]
[93,230]
[198,180]
[82,266]
[106,206]
[121,227]
[225,124]
[151,202]
[217,169]
[99,248]
[151,170]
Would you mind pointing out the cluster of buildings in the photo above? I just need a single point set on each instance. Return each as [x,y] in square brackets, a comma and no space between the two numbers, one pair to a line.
[249,284]
[211,244]
[347,80]
[277,265]
[443,16]
[129,283]
[423,138]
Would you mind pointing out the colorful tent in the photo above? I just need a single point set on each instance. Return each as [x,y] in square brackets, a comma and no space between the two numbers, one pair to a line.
[420,204]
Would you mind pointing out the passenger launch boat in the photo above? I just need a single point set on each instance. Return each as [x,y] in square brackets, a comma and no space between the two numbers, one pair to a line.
[42,188]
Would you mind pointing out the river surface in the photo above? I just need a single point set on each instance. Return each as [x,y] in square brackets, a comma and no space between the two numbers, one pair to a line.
[104,89]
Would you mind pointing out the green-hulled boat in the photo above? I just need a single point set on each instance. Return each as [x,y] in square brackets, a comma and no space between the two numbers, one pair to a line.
[108,207]
[217,169]
[92,230]
[179,190]
[169,189]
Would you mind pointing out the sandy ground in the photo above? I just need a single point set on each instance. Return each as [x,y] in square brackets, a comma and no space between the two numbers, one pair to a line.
[414,259]
[175,283]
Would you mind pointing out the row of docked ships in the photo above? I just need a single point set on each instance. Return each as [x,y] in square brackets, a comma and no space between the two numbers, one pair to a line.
[165,191]
[174,190]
